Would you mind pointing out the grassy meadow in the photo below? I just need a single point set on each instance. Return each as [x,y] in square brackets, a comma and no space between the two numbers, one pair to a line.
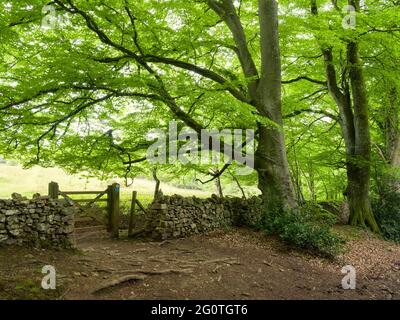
[13,178]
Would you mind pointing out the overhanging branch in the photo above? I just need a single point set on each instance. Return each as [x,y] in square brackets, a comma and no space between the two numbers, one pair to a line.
[324,83]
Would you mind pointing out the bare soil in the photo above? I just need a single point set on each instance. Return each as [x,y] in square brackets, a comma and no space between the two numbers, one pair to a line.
[232,264]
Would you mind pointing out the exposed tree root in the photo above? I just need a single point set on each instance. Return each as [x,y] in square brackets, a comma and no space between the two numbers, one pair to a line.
[157,272]
[223,260]
[362,215]
[117,281]
[188,266]
[104,270]
[137,275]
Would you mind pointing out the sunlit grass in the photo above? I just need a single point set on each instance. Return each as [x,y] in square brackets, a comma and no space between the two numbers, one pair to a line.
[36,180]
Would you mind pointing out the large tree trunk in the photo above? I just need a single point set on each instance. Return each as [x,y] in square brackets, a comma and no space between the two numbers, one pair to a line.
[264,89]
[271,158]
[273,171]
[355,129]
[358,189]
[359,166]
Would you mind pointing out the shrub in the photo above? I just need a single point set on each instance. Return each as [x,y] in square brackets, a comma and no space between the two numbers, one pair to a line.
[387,212]
[308,228]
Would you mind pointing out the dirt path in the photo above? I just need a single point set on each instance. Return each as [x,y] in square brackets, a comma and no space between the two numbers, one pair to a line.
[239,264]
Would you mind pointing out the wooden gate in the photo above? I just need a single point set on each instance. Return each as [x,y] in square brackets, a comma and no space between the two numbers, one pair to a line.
[111,195]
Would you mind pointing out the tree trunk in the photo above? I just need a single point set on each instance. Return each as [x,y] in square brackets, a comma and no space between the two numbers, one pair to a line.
[157,186]
[218,184]
[264,90]
[359,166]
[239,186]
[358,189]
[271,158]
[296,177]
[355,129]
[392,135]
[273,171]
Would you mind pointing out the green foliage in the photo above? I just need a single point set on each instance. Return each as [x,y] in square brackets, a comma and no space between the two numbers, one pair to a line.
[315,213]
[79,99]
[308,228]
[387,211]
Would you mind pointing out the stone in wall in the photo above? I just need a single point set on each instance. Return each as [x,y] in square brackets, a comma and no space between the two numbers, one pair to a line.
[40,222]
[176,216]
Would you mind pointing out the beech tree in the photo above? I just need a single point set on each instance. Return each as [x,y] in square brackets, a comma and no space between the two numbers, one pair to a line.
[83,83]
[341,44]
[351,99]
[103,55]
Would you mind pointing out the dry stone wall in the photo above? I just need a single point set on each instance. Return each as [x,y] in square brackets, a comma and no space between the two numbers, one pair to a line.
[40,222]
[176,216]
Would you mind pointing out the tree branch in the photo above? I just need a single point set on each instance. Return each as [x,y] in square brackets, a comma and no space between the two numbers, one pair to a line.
[66,117]
[323,112]
[333,87]
[201,71]
[305,78]
[215,175]
[227,12]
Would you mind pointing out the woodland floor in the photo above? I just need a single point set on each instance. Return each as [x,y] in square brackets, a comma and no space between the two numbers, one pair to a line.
[232,264]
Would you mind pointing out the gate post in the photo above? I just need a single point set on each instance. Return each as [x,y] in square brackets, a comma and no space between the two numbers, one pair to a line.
[113,209]
[53,190]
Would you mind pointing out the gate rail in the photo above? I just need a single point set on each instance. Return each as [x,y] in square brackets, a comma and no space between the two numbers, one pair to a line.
[113,197]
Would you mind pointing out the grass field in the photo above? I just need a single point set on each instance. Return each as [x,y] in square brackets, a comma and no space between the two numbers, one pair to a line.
[36,180]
